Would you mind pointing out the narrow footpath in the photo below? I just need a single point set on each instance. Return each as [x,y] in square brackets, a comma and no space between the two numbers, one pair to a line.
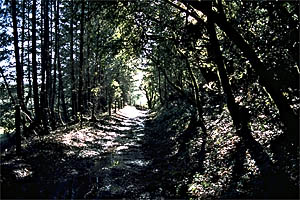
[99,160]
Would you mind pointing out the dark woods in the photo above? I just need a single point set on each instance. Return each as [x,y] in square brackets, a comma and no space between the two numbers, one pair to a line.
[221,79]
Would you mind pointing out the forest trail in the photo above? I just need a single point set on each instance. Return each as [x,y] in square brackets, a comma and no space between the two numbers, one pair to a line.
[103,161]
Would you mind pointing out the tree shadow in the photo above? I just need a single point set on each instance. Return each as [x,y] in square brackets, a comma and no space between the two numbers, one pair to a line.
[171,166]
[238,158]
[79,168]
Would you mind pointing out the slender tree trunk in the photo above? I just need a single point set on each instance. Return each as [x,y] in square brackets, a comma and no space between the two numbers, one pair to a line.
[196,91]
[266,79]
[60,77]
[73,87]
[159,88]
[61,85]
[56,10]
[22,102]
[22,43]
[34,66]
[109,107]
[29,96]
[19,78]
[165,91]
[23,106]
[61,91]
[80,95]
[240,115]
[48,56]
[88,81]
[45,70]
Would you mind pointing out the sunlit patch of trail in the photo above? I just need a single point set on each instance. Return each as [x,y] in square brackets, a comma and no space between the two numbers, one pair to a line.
[132,112]
[125,159]
[99,160]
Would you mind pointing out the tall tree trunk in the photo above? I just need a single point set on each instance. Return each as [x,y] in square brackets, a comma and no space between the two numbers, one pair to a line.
[19,78]
[22,43]
[88,80]
[61,90]
[80,95]
[266,79]
[34,66]
[240,119]
[56,10]
[45,70]
[23,106]
[60,77]
[29,96]
[73,87]
[49,76]
[48,56]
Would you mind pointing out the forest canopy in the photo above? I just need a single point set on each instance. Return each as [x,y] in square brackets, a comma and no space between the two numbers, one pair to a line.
[220,79]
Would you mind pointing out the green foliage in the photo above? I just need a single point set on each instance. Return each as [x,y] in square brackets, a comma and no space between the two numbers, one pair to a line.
[195,142]
[7,121]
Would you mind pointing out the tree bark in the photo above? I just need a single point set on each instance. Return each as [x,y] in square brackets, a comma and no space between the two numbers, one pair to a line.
[80,95]
[22,45]
[19,78]
[159,89]
[240,118]
[61,89]
[266,79]
[45,53]
[29,95]
[34,65]
[56,10]
[73,87]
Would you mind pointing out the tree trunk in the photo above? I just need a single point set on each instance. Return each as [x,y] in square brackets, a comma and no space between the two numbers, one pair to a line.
[22,47]
[159,88]
[56,10]
[88,74]
[73,87]
[266,79]
[109,107]
[19,78]
[80,95]
[48,53]
[61,89]
[45,53]
[240,118]
[29,96]
[49,75]
[34,66]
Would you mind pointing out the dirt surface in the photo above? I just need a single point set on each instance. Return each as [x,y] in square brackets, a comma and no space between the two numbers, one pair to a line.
[99,160]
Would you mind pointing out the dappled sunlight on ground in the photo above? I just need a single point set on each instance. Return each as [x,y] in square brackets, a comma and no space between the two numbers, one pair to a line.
[22,173]
[107,155]
[105,138]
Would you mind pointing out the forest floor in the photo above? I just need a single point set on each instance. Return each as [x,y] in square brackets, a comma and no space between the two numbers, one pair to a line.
[98,160]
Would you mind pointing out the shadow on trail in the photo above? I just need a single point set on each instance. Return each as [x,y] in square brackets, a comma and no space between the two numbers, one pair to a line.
[102,160]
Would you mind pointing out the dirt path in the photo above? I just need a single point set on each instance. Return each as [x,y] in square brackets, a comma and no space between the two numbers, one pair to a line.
[101,160]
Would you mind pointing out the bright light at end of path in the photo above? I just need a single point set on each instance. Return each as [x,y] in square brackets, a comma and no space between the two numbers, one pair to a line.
[138,94]
[130,111]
